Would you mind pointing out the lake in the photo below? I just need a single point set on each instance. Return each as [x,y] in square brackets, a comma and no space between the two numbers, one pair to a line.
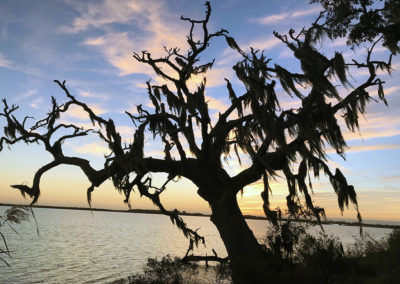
[77,246]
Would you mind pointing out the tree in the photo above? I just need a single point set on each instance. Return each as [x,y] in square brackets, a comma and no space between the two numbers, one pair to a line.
[364,20]
[290,142]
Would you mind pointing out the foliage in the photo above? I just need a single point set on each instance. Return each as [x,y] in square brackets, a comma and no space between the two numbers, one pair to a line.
[378,261]
[12,216]
[168,270]
[364,21]
[322,258]
[314,258]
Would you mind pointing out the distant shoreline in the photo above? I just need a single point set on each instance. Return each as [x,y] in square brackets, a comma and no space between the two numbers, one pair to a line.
[184,213]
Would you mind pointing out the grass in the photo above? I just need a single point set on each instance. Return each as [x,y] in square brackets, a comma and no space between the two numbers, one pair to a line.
[12,216]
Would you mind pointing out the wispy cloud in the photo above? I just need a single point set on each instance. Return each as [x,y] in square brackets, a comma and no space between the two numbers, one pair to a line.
[228,56]
[286,53]
[214,77]
[117,48]
[92,148]
[278,18]
[90,94]
[96,15]
[216,104]
[78,113]
[5,63]
[265,44]
[270,19]
[306,12]
[25,95]
[338,42]
[154,27]
[387,91]
[391,178]
[363,148]
[37,103]
[374,126]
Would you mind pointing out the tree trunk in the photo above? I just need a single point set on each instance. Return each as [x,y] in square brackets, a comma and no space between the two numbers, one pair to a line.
[248,261]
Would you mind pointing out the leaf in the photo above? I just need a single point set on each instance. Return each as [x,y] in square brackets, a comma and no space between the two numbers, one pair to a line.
[10,130]
[232,95]
[315,34]
[172,100]
[89,195]
[344,191]
[232,43]
[157,93]
[286,79]
[381,94]
[340,68]
[203,68]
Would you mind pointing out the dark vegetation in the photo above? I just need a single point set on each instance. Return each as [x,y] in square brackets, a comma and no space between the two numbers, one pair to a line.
[363,21]
[13,216]
[296,257]
[291,143]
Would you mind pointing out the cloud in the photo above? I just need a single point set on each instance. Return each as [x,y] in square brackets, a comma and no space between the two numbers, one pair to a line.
[387,91]
[126,132]
[265,44]
[25,95]
[363,148]
[334,165]
[96,15]
[215,77]
[306,12]
[376,125]
[5,63]
[117,48]
[379,72]
[216,104]
[272,19]
[77,112]
[37,103]
[95,41]
[286,53]
[391,178]
[229,57]
[338,42]
[89,94]
[24,68]
[153,27]
[92,148]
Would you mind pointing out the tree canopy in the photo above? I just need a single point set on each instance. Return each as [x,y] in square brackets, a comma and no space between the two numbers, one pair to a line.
[276,141]
[364,21]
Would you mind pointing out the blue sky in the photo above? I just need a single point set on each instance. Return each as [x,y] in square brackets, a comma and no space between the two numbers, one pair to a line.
[90,45]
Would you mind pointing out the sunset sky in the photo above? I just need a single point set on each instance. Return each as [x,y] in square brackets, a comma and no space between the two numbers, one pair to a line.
[90,45]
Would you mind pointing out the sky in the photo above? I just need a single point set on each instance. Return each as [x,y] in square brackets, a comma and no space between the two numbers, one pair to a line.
[90,45]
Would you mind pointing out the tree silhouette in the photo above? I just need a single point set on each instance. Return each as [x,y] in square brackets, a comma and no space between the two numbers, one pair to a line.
[363,21]
[289,142]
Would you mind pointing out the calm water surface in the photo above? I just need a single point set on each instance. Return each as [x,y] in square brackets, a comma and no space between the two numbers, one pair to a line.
[76,246]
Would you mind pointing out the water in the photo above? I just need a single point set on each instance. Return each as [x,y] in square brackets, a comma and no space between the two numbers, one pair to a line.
[76,246]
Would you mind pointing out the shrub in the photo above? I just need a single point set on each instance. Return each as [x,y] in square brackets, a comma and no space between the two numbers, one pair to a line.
[296,256]
[168,270]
